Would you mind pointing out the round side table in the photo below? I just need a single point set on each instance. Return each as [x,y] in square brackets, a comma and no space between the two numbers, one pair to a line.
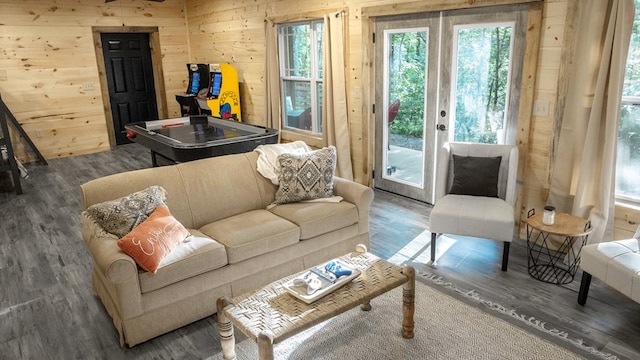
[554,250]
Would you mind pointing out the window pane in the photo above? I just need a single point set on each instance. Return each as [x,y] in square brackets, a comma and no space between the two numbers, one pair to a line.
[301,50]
[628,155]
[632,75]
[297,104]
[319,112]
[405,68]
[628,160]
[481,83]
[319,41]
[297,50]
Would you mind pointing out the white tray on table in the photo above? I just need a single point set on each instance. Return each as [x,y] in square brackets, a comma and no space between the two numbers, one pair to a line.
[300,291]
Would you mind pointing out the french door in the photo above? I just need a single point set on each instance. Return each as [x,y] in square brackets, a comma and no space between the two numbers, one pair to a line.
[443,76]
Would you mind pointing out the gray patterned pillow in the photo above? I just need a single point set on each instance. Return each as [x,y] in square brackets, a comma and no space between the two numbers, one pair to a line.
[306,176]
[120,216]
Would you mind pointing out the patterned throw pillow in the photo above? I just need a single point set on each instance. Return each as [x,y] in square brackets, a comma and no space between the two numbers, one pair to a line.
[149,242]
[121,215]
[306,176]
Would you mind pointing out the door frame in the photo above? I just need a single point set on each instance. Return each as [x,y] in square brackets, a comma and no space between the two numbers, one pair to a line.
[529,67]
[158,74]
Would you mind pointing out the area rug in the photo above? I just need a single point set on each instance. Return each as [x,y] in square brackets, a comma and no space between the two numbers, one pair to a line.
[445,328]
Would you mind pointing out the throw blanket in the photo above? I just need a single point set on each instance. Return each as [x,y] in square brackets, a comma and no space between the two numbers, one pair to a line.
[267,161]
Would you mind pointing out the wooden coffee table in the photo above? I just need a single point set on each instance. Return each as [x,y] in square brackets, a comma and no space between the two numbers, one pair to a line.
[271,314]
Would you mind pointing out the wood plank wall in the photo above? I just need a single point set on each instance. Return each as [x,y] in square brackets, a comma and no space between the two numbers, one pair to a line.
[47,54]
[233,31]
[232,24]
[48,59]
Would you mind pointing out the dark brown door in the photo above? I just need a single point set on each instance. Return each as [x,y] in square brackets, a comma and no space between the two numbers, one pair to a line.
[129,71]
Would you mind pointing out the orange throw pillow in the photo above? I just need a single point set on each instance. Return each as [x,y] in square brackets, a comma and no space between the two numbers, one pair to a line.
[149,242]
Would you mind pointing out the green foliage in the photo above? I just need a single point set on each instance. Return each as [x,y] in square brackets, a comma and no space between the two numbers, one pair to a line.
[629,127]
[407,66]
[632,74]
[481,88]
[482,77]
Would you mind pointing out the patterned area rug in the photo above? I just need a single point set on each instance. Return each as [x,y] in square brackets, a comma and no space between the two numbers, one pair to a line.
[445,328]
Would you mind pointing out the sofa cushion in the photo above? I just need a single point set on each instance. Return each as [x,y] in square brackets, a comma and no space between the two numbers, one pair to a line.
[214,195]
[121,215]
[149,242]
[306,176]
[317,218]
[190,258]
[252,233]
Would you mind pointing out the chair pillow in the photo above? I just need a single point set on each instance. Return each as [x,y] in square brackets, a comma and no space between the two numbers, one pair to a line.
[306,176]
[477,176]
[149,242]
[121,215]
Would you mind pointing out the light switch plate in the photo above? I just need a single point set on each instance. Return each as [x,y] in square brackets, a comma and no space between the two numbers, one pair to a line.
[540,108]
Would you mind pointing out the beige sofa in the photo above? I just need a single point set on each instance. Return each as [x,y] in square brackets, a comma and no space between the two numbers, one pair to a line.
[226,199]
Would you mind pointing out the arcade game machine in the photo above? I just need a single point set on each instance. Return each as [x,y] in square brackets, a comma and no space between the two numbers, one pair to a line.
[211,123]
[223,98]
[199,81]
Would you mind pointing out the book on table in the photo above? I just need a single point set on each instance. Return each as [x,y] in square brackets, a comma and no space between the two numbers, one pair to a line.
[321,280]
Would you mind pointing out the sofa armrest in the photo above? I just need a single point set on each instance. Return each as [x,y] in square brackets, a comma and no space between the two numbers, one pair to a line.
[117,266]
[359,195]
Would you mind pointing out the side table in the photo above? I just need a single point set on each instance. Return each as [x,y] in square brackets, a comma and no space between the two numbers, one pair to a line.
[554,250]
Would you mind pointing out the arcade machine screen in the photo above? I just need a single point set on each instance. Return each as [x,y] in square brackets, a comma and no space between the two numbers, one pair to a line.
[198,80]
[216,84]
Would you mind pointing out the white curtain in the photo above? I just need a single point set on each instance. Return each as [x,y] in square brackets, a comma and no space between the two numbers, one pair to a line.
[335,122]
[272,76]
[583,174]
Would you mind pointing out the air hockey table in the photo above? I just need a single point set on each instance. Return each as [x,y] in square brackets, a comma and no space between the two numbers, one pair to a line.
[197,137]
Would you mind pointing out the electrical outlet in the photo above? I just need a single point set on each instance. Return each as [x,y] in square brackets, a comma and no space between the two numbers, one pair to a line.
[87,86]
[39,133]
[540,108]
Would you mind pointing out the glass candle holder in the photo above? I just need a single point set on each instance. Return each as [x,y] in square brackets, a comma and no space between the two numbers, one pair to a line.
[549,214]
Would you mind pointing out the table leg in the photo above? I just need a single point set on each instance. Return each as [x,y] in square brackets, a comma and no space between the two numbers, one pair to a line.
[408,302]
[366,306]
[225,327]
[154,159]
[265,346]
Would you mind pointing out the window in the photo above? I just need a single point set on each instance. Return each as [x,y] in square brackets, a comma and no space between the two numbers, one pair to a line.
[481,73]
[628,157]
[300,57]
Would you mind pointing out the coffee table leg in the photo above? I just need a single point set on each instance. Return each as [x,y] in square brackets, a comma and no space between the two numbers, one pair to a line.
[265,345]
[408,302]
[366,306]
[225,327]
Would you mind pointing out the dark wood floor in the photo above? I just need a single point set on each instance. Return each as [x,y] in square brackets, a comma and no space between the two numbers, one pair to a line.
[48,311]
